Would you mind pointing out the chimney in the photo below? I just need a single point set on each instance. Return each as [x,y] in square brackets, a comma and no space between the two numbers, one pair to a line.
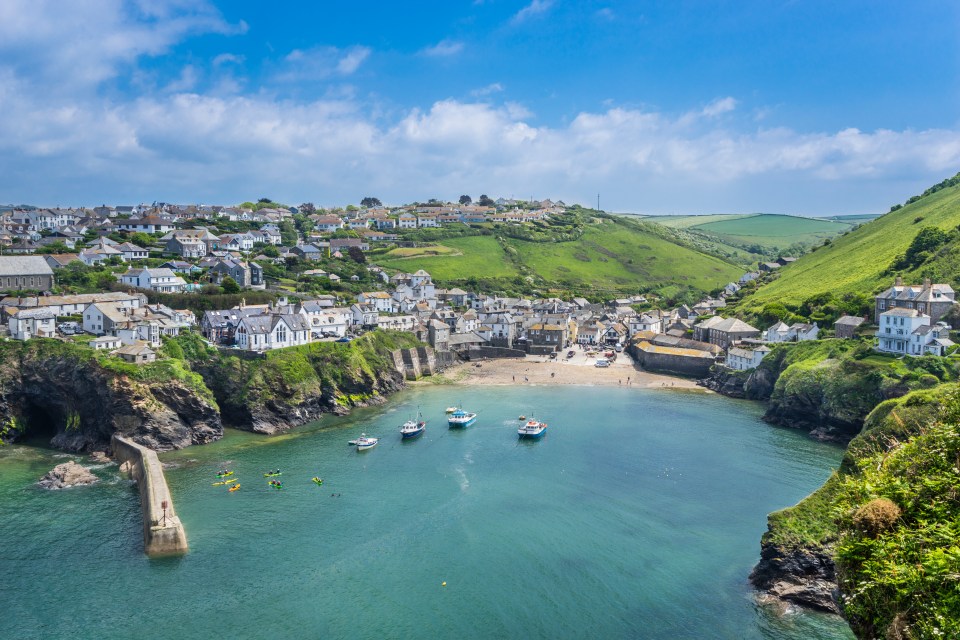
[898,282]
[926,283]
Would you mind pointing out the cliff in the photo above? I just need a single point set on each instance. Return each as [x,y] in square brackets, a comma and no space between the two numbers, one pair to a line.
[80,399]
[289,387]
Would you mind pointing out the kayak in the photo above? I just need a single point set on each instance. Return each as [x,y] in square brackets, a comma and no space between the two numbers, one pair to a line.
[272,474]
[223,482]
[230,480]
[276,485]
[224,474]
[319,481]
[234,487]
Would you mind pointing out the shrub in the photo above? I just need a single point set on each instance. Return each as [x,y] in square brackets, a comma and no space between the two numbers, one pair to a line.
[877,516]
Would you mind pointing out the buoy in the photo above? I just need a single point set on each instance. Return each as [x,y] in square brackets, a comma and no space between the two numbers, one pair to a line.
[443,584]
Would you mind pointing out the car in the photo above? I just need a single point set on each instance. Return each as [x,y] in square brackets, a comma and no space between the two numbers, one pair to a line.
[344,339]
[571,353]
[618,348]
[602,363]
[553,356]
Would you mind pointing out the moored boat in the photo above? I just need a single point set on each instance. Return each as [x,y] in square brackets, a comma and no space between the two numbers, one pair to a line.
[461,418]
[532,429]
[451,409]
[364,443]
[412,429]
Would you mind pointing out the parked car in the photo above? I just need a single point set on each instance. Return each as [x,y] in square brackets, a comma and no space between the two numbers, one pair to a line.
[344,339]
[601,362]
[571,353]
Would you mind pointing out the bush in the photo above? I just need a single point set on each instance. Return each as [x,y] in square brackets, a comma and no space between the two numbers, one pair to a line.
[877,516]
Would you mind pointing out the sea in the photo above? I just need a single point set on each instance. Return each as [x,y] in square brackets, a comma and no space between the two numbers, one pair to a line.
[638,515]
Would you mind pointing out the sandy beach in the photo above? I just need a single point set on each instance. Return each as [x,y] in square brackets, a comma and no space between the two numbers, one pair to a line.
[578,370]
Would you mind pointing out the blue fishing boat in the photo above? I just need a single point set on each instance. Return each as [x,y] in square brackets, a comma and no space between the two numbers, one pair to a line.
[532,429]
[413,428]
[461,418]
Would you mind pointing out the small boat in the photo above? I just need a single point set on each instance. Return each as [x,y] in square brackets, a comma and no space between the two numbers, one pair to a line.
[451,409]
[276,484]
[413,428]
[461,418]
[522,418]
[319,481]
[532,429]
[271,474]
[364,443]
[223,474]
[235,487]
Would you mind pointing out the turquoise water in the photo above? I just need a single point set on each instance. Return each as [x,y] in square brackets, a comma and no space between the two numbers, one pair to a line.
[637,516]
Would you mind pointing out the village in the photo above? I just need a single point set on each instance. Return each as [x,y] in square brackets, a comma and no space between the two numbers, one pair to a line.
[464,325]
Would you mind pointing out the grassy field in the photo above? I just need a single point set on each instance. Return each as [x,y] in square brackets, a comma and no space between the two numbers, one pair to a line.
[856,262]
[616,257]
[687,222]
[769,230]
[610,257]
[480,256]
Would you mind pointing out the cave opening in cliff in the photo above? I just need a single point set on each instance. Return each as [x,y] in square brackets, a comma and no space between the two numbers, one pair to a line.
[41,420]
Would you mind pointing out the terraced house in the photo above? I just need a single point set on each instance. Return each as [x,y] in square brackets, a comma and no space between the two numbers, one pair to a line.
[272,331]
[934,300]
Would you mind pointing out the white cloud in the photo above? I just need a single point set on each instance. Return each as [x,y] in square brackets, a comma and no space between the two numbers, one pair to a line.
[443,48]
[228,58]
[320,63]
[352,60]
[719,106]
[492,88]
[535,8]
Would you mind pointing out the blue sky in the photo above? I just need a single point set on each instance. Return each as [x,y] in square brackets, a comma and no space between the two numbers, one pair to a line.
[661,107]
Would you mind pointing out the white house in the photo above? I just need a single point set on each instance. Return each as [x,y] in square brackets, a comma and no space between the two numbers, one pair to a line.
[364,315]
[379,300]
[272,331]
[407,221]
[779,332]
[31,323]
[741,358]
[163,280]
[323,319]
[908,332]
[800,331]
[397,323]
[645,322]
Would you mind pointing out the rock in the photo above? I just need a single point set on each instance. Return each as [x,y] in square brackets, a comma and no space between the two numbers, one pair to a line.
[802,576]
[126,467]
[99,457]
[68,474]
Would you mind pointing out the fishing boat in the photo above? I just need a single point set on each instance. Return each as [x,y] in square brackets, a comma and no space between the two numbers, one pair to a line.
[461,418]
[413,428]
[532,429]
[364,443]
[451,409]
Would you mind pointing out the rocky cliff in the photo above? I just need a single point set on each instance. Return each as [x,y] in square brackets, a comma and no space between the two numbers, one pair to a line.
[62,390]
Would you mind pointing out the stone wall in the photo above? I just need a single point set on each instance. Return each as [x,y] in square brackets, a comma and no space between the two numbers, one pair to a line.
[685,365]
[163,532]
[416,363]
[477,353]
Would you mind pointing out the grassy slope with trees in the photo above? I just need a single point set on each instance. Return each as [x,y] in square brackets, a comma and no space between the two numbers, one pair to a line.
[582,253]
[866,260]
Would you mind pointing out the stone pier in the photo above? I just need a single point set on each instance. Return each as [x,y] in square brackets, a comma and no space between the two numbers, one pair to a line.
[163,532]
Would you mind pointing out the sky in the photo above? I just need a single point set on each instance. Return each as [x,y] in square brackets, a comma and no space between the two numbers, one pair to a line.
[661,107]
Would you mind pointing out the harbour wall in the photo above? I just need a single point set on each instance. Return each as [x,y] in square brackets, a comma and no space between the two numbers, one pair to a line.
[415,363]
[163,533]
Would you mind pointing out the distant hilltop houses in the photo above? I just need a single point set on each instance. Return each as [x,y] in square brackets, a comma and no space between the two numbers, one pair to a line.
[163,252]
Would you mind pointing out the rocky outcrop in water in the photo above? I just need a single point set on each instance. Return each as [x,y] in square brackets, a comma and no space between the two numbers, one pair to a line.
[806,577]
[68,474]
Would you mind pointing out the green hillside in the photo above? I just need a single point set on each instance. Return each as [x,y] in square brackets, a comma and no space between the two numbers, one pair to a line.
[611,255]
[771,230]
[868,258]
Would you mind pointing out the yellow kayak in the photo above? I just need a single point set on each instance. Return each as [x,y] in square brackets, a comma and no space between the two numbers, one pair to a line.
[223,482]
[234,487]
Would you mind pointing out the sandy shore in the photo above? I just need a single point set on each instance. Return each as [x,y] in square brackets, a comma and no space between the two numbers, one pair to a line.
[579,370]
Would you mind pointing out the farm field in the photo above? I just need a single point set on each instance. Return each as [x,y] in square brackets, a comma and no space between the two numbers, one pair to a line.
[461,258]
[856,262]
[769,230]
[688,222]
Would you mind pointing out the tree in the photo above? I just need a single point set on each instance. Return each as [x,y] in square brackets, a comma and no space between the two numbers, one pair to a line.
[465,200]
[371,202]
[230,285]
[307,208]
[486,201]
[271,251]
[288,233]
[356,254]
[141,239]
[54,247]
[265,200]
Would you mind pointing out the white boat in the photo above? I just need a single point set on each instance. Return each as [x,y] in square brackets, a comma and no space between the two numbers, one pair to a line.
[532,429]
[413,428]
[364,443]
[451,409]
